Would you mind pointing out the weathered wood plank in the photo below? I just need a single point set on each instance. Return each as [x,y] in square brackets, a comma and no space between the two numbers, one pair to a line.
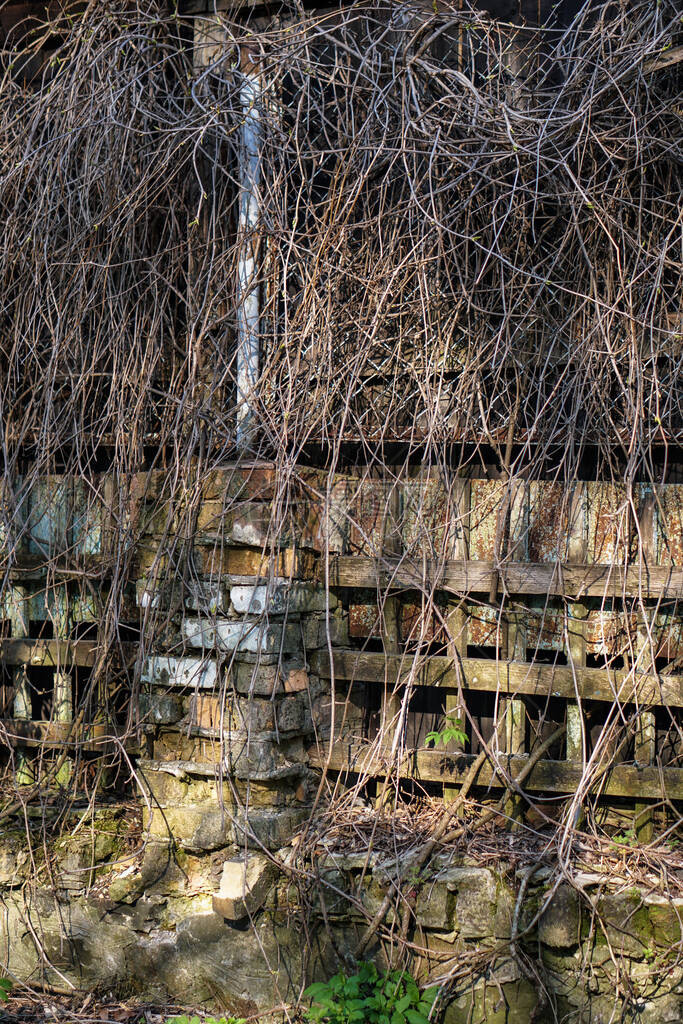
[53,653]
[546,776]
[507,678]
[557,579]
[35,733]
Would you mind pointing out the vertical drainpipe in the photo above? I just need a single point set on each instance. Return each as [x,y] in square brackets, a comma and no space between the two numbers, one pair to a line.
[248,306]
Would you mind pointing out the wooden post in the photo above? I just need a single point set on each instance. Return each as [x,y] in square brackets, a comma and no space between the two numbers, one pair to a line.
[646,730]
[456,624]
[645,751]
[19,618]
[514,710]
[576,621]
[62,697]
[457,619]
[390,714]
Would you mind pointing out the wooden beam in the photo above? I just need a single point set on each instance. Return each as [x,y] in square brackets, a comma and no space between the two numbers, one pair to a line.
[572,582]
[507,678]
[54,653]
[546,776]
[36,733]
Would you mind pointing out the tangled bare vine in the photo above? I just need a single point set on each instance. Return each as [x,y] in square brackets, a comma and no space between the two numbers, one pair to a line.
[468,259]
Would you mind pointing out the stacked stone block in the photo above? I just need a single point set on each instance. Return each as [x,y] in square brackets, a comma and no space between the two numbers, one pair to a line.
[226,702]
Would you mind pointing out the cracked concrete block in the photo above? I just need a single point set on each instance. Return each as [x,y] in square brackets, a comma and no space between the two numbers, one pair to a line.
[207,597]
[270,829]
[434,906]
[242,635]
[14,860]
[560,922]
[626,922]
[475,900]
[160,708]
[198,828]
[263,758]
[245,884]
[263,680]
[666,918]
[280,598]
[197,673]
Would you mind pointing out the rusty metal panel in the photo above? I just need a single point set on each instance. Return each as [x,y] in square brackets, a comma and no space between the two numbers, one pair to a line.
[549,514]
[609,632]
[486,498]
[87,520]
[518,533]
[49,515]
[375,518]
[420,623]
[433,516]
[483,626]
[545,626]
[329,517]
[364,621]
[609,530]
[669,524]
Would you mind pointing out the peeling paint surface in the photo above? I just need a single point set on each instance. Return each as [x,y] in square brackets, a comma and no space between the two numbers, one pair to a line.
[548,520]
[669,524]
[485,502]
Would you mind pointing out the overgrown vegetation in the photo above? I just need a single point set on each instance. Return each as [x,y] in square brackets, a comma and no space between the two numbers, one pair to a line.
[468,259]
[392,997]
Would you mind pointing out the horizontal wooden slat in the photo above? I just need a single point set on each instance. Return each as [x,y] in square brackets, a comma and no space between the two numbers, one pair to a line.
[511,678]
[53,653]
[54,734]
[557,579]
[546,776]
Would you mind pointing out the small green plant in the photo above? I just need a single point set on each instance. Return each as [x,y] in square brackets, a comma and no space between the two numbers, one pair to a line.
[624,838]
[369,997]
[5,989]
[453,730]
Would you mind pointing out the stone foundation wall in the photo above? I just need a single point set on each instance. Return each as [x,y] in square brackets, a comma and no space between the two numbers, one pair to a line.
[223,929]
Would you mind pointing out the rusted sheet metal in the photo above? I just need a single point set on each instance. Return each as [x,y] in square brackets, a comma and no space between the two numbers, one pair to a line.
[420,623]
[434,516]
[610,632]
[328,523]
[354,517]
[549,514]
[88,516]
[375,518]
[483,626]
[48,515]
[364,621]
[55,515]
[669,524]
[545,626]
[486,498]
[498,509]
[609,523]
